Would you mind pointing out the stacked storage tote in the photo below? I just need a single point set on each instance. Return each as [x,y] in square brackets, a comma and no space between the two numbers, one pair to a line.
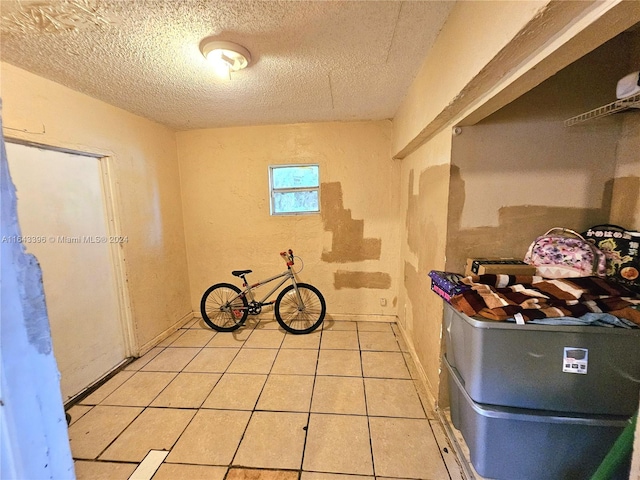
[537,401]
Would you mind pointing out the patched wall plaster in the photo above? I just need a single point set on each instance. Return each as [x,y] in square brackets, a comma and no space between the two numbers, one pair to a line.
[347,279]
[348,241]
[520,171]
[425,234]
[228,226]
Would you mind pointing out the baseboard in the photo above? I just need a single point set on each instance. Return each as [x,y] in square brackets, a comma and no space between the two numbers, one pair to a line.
[364,317]
[269,315]
[167,333]
[94,385]
[440,416]
[422,376]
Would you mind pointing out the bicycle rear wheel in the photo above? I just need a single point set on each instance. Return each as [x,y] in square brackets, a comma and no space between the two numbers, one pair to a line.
[296,317]
[220,308]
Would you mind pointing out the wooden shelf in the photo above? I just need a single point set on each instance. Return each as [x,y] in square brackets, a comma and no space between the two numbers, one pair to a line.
[614,107]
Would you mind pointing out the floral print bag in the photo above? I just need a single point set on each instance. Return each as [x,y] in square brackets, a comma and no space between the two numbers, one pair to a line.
[564,253]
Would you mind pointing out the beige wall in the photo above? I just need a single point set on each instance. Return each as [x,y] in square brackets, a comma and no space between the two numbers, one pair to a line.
[625,203]
[146,171]
[625,207]
[424,189]
[472,35]
[484,44]
[224,175]
[521,171]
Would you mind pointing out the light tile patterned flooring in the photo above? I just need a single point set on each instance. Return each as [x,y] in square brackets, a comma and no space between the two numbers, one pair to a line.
[260,404]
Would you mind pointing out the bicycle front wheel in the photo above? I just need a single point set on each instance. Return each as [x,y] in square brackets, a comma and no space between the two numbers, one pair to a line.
[300,314]
[222,309]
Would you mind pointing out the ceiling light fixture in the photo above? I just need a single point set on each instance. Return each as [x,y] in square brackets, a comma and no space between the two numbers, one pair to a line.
[226,57]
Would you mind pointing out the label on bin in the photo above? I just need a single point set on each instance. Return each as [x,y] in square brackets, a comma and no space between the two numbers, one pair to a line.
[575,360]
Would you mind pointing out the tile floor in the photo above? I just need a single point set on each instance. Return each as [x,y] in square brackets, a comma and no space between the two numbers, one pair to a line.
[261,404]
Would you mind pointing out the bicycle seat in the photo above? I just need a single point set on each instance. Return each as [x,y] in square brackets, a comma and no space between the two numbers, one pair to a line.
[239,273]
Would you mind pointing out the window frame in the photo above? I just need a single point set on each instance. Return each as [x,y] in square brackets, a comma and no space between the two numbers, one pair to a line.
[273,190]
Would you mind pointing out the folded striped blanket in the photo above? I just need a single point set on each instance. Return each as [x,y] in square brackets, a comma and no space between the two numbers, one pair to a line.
[499,297]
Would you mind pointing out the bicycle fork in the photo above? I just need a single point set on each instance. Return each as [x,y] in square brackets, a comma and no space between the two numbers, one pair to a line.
[301,306]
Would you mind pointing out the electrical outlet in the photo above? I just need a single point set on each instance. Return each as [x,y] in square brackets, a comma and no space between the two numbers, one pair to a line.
[383,302]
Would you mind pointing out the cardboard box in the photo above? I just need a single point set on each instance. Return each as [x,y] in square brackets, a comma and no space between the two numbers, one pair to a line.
[497,266]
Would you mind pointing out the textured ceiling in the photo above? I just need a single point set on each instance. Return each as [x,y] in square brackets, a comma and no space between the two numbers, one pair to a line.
[311,60]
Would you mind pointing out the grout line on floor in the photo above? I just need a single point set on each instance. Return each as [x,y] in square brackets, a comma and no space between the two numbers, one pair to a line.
[313,387]
[373,461]
[205,398]
[253,410]
[448,463]
[366,405]
[116,437]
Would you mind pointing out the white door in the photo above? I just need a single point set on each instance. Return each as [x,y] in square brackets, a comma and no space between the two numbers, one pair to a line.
[62,215]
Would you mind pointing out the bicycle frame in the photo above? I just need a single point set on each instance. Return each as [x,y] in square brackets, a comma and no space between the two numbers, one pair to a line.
[248,291]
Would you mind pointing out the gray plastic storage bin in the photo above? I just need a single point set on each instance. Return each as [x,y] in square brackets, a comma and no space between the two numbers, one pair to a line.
[580,369]
[520,444]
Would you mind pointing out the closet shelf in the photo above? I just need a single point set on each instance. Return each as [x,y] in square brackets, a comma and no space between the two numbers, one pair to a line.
[614,107]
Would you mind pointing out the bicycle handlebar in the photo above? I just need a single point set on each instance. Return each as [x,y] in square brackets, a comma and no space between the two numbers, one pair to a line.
[288,256]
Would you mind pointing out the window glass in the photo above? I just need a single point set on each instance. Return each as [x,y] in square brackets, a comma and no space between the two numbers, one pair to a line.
[295,202]
[294,189]
[295,177]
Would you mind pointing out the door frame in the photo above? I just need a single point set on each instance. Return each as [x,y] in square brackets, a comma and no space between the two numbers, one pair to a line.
[112,205]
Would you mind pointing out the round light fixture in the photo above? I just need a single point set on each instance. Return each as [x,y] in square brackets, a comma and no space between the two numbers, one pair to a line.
[226,57]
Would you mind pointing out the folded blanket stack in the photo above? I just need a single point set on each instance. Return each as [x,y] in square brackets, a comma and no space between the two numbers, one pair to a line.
[500,297]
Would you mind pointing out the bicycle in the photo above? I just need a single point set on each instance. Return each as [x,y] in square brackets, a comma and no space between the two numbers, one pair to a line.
[299,308]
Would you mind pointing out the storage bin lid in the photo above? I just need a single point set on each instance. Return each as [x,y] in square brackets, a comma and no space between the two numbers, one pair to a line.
[479,322]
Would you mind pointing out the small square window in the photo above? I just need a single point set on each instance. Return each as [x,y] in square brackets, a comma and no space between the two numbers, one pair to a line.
[294,189]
